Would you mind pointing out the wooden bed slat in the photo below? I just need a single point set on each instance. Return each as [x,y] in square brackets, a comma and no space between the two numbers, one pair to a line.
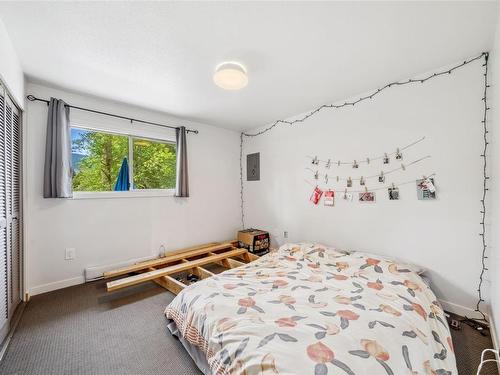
[178,255]
[171,284]
[229,263]
[202,273]
[233,263]
[151,275]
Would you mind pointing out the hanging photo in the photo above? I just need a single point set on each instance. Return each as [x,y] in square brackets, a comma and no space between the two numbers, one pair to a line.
[315,161]
[393,194]
[381,178]
[347,197]
[367,196]
[316,195]
[399,155]
[355,164]
[386,159]
[362,181]
[349,182]
[426,189]
[329,198]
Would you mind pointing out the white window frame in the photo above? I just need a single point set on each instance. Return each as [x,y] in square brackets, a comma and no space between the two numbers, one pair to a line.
[132,193]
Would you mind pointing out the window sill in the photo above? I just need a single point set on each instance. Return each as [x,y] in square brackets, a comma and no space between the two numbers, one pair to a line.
[124,194]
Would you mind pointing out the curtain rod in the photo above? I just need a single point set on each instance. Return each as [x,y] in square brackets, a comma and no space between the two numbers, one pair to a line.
[33,98]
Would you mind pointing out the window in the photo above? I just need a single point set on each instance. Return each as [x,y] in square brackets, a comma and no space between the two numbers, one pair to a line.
[100,159]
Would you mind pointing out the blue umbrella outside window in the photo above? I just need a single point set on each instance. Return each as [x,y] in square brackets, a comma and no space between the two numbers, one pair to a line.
[122,181]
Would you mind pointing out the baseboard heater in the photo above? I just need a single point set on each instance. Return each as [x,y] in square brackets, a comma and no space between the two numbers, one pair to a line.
[95,273]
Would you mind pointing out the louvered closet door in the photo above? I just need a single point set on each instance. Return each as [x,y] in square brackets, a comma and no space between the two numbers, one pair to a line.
[12,203]
[4,295]
[15,235]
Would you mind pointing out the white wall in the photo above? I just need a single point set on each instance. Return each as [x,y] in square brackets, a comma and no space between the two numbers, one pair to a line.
[11,72]
[441,235]
[106,231]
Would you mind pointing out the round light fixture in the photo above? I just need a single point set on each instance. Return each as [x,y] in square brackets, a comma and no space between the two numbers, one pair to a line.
[230,76]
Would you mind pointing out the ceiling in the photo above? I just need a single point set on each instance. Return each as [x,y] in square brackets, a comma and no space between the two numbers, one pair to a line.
[162,55]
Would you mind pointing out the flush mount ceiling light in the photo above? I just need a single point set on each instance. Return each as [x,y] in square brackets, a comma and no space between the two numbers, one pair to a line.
[230,76]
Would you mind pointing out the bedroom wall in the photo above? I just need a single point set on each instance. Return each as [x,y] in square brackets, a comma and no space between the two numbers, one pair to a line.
[441,235]
[11,72]
[107,231]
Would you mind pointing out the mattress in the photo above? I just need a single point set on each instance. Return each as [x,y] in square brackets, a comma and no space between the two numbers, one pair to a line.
[310,309]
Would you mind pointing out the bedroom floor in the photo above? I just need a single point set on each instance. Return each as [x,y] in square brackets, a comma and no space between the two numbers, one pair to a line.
[84,330]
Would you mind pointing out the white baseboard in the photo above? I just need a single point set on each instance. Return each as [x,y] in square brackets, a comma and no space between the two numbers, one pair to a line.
[460,310]
[44,288]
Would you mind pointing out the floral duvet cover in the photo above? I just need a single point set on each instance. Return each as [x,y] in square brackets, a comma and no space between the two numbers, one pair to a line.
[309,309]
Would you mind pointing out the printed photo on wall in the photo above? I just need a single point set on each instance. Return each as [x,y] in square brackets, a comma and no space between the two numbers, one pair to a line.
[426,189]
[347,197]
[349,182]
[399,155]
[316,195]
[393,193]
[329,198]
[386,159]
[368,197]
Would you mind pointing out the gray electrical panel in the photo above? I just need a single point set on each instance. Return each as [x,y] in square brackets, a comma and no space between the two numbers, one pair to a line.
[253,167]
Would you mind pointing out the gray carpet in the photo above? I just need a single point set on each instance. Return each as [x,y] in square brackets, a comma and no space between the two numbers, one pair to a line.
[84,330]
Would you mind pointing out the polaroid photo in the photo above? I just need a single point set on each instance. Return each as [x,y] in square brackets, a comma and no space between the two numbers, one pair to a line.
[386,159]
[329,198]
[349,182]
[426,189]
[347,197]
[316,195]
[393,193]
[368,197]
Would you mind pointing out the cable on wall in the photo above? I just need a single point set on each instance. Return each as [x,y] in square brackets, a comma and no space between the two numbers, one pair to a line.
[370,96]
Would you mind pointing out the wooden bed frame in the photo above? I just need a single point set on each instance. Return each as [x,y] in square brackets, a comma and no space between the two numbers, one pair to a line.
[190,259]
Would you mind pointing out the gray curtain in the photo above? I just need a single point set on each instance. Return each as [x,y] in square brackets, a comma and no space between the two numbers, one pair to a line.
[57,178]
[181,183]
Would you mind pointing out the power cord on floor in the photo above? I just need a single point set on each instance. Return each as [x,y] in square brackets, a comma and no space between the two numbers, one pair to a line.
[483,361]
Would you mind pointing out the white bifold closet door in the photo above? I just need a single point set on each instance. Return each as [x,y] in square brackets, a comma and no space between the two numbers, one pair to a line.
[10,210]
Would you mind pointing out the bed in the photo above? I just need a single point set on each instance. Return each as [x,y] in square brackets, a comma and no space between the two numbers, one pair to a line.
[309,309]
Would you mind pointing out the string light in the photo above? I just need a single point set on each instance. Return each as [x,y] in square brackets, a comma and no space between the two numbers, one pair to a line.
[366,160]
[402,167]
[366,188]
[480,299]
[484,55]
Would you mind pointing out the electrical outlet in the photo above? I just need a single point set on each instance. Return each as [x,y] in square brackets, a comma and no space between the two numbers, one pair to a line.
[70,253]
[285,234]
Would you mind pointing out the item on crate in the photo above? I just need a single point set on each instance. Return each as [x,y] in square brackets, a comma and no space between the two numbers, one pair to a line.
[329,199]
[254,240]
[316,195]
